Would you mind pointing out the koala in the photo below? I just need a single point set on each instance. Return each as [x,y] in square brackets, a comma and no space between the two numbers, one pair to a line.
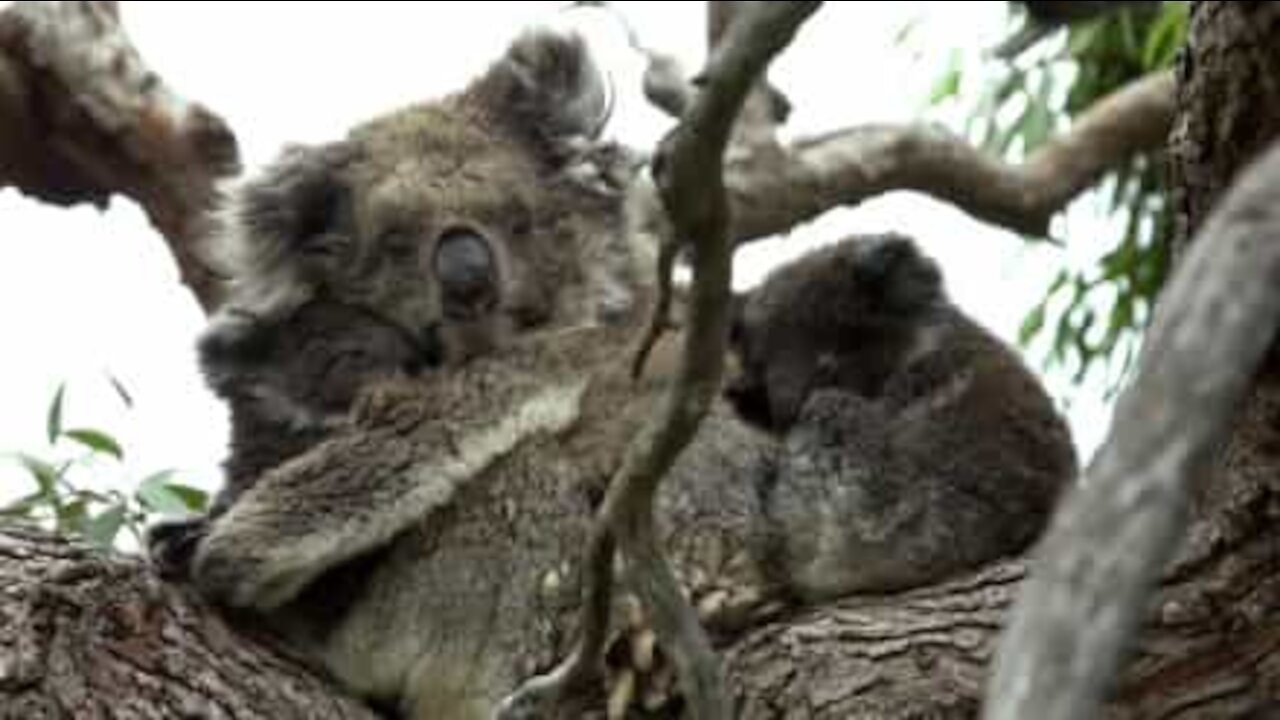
[914,443]
[423,347]
[425,238]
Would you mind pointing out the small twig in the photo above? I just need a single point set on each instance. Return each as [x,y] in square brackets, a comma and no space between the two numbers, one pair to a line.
[1100,560]
[660,319]
[690,178]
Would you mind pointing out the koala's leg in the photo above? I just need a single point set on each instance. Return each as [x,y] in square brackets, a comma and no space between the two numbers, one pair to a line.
[354,493]
[840,515]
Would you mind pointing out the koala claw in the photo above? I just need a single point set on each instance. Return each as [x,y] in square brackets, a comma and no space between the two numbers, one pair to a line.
[171,544]
[541,696]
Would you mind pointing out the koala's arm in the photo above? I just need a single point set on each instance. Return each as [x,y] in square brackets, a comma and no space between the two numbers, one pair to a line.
[353,493]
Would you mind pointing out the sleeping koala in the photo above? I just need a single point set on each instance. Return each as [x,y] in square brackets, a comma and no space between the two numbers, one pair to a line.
[916,444]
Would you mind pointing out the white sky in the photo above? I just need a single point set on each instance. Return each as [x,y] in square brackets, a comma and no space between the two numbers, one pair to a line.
[85,293]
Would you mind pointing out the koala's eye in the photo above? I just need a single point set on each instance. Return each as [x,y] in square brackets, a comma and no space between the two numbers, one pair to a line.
[467,270]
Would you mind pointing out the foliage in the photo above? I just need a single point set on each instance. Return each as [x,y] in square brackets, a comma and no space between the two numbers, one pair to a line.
[62,501]
[1090,317]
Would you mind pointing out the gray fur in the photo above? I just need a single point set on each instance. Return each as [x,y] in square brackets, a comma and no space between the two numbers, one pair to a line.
[916,444]
[334,247]
[386,401]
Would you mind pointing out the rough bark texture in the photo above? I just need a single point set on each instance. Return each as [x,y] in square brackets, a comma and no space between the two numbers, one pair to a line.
[1112,539]
[82,118]
[1229,99]
[88,635]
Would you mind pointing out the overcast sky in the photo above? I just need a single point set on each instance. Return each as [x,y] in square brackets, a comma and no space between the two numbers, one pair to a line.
[84,293]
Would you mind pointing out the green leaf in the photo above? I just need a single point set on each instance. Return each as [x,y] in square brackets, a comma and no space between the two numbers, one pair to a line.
[156,495]
[1059,282]
[54,422]
[73,515]
[97,441]
[1082,38]
[22,507]
[1031,324]
[46,475]
[949,84]
[1165,36]
[103,528]
[195,499]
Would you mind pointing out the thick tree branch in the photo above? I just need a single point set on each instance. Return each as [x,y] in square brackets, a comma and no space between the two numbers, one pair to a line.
[1099,562]
[85,634]
[82,117]
[849,166]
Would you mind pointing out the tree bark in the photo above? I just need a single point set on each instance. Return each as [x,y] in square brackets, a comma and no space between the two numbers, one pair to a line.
[87,635]
[82,118]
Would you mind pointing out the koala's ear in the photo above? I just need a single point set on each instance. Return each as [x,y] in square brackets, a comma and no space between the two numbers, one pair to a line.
[879,257]
[294,204]
[276,227]
[548,87]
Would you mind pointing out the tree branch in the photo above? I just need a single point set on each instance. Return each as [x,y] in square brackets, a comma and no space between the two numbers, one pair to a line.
[82,117]
[86,633]
[849,166]
[688,171]
[1107,545]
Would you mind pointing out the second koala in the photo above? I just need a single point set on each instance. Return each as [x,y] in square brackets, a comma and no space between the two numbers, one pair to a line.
[916,443]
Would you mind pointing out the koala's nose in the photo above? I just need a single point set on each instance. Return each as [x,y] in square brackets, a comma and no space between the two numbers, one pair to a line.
[467,271]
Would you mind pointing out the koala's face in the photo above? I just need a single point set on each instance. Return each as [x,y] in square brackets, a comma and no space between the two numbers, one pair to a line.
[490,209]
[837,317]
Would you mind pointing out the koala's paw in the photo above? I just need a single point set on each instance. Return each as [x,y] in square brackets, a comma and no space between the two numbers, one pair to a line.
[171,544]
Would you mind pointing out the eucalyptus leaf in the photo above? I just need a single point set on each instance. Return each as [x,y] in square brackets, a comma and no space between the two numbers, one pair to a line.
[948,85]
[1031,324]
[97,441]
[195,499]
[156,495]
[103,528]
[22,507]
[46,476]
[72,516]
[53,423]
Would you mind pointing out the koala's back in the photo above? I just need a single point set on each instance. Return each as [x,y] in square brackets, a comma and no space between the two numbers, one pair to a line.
[982,412]
[916,444]
[959,462]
